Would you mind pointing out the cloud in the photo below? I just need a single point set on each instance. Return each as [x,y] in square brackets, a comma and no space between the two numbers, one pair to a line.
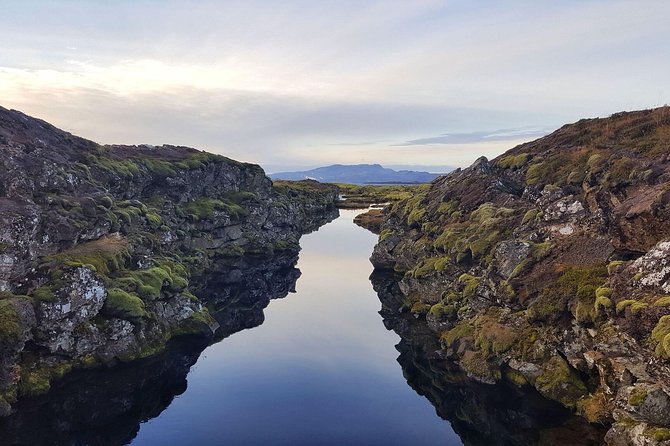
[480,136]
[308,82]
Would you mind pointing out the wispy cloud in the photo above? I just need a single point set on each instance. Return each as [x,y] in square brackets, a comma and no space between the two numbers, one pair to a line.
[480,136]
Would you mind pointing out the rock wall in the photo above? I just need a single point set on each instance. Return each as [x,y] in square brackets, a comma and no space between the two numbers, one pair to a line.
[71,412]
[105,251]
[547,268]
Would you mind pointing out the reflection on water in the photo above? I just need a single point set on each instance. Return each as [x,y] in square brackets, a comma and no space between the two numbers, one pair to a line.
[321,369]
[106,406]
[481,414]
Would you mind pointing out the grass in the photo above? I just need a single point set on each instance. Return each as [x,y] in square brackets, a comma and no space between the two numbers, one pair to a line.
[105,255]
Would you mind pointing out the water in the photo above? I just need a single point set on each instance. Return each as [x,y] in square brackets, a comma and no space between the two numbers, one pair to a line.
[321,369]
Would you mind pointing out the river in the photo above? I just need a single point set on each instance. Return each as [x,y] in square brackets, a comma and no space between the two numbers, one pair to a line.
[317,366]
[321,369]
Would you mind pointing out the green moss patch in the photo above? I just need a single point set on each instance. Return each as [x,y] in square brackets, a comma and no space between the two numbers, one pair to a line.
[11,329]
[205,208]
[124,305]
[560,382]
[661,335]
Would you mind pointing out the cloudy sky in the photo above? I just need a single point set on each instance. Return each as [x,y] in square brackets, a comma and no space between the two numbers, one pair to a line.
[297,83]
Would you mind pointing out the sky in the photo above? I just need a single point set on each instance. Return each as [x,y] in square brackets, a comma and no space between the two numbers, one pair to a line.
[296,84]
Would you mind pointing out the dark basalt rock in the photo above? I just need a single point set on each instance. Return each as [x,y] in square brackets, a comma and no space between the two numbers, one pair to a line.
[107,252]
[549,265]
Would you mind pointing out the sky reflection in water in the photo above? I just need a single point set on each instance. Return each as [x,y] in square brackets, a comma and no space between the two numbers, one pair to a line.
[320,370]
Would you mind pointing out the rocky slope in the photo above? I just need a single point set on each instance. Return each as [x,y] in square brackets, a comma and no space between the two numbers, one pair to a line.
[548,268]
[107,252]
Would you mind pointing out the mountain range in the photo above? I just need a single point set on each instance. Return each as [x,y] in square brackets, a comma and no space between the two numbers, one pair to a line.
[358,174]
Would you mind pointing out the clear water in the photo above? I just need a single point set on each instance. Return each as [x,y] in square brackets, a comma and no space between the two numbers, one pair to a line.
[320,370]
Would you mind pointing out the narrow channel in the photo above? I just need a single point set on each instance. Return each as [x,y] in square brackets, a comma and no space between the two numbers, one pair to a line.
[320,370]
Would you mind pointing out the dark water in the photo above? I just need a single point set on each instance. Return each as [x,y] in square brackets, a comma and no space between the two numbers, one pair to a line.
[321,369]
[318,367]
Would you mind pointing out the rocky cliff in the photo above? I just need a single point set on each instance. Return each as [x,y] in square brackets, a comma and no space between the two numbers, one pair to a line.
[107,252]
[71,413]
[548,269]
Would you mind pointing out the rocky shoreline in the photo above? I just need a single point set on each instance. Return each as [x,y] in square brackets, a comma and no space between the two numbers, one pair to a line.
[547,269]
[108,252]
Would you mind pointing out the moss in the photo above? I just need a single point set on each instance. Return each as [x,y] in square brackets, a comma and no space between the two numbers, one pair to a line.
[386,233]
[150,282]
[415,216]
[661,335]
[124,305]
[476,364]
[603,292]
[585,312]
[623,304]
[205,208]
[471,283]
[513,161]
[637,396]
[199,323]
[573,282]
[11,328]
[662,301]
[602,303]
[638,306]
[34,381]
[420,309]
[460,331]
[612,266]
[560,382]
[44,293]
[515,377]
[530,215]
[534,174]
[658,433]
[494,338]
[107,202]
[595,408]
[443,311]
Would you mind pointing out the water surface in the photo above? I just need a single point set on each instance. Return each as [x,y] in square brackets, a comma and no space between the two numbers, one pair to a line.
[321,369]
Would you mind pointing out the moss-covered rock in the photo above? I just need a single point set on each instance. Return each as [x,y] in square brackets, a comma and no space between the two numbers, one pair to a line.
[560,382]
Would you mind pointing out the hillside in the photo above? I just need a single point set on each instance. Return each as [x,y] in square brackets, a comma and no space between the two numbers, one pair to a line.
[547,268]
[107,252]
[357,174]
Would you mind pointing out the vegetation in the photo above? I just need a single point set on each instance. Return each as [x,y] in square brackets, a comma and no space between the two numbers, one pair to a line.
[595,408]
[358,197]
[11,329]
[637,396]
[205,208]
[661,336]
[560,382]
[124,305]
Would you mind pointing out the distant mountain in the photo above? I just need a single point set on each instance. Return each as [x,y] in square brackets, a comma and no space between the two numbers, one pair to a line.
[357,174]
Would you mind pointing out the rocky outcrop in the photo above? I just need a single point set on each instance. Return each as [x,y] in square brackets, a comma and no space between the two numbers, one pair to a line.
[106,251]
[547,268]
[481,414]
[72,413]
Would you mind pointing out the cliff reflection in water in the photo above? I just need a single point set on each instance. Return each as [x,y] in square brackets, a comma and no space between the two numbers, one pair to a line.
[481,414]
[106,406]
